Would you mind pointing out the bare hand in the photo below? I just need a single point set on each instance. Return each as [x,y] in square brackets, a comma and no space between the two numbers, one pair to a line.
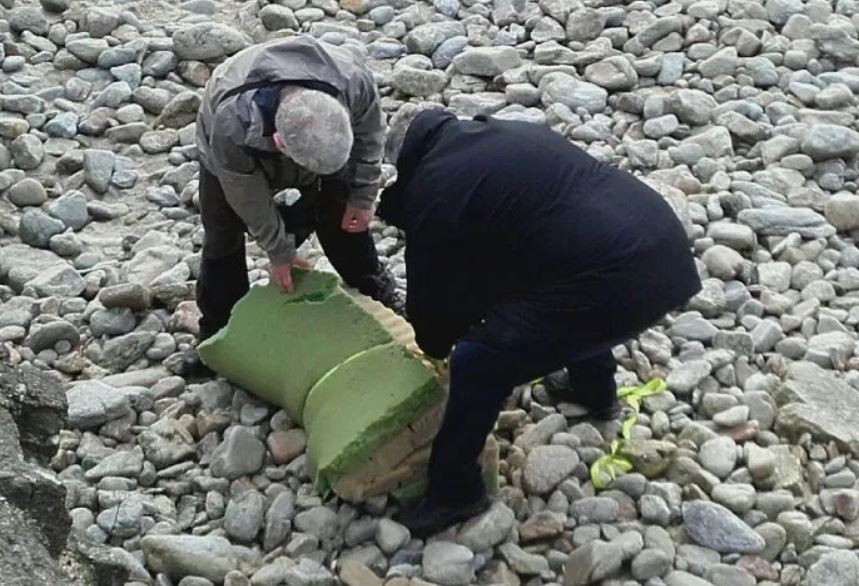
[356,219]
[282,273]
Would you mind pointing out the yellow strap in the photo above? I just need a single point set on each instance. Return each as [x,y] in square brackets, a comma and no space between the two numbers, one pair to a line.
[606,468]
[634,395]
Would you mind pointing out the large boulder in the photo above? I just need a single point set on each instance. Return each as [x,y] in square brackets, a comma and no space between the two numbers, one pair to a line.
[37,403]
[816,401]
[32,499]
[24,559]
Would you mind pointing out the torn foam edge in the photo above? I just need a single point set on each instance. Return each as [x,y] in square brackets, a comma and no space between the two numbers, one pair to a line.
[409,390]
[410,449]
[389,465]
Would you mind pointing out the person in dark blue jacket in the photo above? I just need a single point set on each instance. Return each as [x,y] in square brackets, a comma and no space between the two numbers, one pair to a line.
[524,255]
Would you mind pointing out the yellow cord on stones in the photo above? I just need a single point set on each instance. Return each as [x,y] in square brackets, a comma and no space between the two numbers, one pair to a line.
[606,468]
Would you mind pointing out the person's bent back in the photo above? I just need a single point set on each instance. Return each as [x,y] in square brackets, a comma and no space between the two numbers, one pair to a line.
[526,256]
[500,211]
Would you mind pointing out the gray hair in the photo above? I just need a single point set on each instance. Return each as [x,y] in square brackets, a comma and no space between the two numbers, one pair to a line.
[316,130]
[399,126]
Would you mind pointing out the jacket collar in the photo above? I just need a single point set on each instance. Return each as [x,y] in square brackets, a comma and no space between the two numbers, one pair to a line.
[420,139]
[267,98]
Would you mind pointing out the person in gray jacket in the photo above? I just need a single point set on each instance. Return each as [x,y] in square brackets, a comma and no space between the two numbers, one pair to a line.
[297,113]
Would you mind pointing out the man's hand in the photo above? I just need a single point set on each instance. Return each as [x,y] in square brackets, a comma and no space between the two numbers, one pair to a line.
[282,273]
[356,219]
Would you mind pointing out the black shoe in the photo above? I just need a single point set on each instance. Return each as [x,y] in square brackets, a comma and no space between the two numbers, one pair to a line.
[193,367]
[427,518]
[607,413]
[558,387]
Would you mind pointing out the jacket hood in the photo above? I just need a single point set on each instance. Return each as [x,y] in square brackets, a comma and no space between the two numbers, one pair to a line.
[420,139]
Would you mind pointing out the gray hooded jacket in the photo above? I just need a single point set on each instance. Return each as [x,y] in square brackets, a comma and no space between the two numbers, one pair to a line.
[235,126]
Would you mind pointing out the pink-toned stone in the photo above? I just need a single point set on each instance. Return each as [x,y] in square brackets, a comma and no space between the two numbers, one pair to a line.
[540,528]
[185,318]
[286,446]
[758,567]
[744,432]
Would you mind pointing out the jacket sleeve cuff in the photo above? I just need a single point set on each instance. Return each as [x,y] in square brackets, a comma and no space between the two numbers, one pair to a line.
[283,252]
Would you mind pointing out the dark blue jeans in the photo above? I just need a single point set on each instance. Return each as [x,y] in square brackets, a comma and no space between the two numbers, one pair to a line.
[507,350]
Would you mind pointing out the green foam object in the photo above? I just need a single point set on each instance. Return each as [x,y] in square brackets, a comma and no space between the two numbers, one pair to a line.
[279,345]
[364,400]
[332,365]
